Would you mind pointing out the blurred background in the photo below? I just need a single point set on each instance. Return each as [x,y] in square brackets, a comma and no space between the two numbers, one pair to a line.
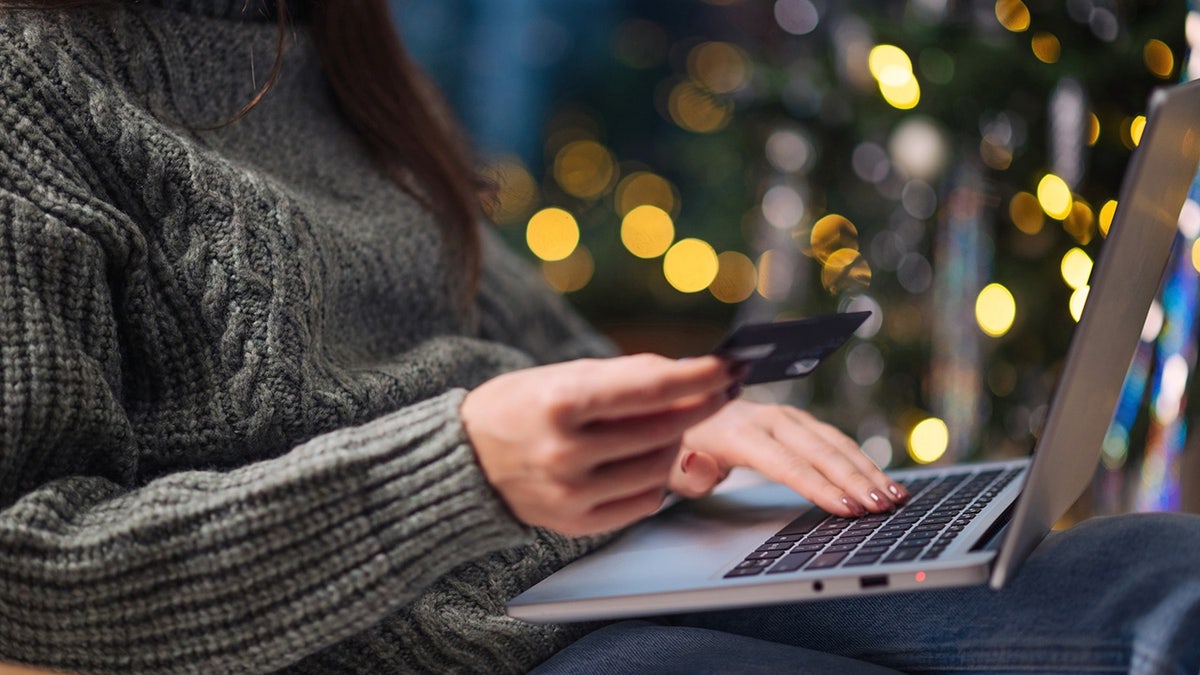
[676,167]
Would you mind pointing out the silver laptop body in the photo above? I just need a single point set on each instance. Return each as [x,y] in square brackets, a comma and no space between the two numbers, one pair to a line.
[686,558]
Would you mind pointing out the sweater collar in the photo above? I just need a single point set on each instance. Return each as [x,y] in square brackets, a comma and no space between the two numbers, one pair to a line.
[244,10]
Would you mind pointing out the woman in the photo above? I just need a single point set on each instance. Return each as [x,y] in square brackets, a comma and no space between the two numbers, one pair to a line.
[270,399]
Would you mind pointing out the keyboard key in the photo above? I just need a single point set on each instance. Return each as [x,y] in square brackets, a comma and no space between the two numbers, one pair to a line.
[743,572]
[807,522]
[779,538]
[754,563]
[790,563]
[765,555]
[807,547]
[826,560]
[775,546]
[834,548]
[903,555]
[861,559]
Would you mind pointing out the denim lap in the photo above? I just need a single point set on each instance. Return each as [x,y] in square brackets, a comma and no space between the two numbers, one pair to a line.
[1118,595]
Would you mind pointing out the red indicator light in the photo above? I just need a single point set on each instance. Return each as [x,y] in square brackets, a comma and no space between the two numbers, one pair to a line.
[920,577]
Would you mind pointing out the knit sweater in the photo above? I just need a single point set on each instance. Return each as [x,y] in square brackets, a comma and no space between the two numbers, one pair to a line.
[231,368]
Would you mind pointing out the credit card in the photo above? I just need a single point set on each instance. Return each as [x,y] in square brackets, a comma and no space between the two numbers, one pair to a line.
[783,350]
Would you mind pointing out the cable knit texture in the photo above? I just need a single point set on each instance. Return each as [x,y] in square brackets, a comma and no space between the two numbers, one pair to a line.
[230,371]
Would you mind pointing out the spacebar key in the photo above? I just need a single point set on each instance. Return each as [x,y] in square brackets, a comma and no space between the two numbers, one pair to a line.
[807,522]
[791,562]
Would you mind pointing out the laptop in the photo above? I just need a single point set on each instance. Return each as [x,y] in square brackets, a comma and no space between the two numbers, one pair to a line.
[965,525]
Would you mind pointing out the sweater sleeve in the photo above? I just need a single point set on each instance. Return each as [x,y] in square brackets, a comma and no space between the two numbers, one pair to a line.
[212,571]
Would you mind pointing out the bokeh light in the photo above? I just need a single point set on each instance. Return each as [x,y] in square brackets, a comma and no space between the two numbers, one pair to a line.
[1055,197]
[1158,58]
[552,234]
[571,273]
[517,192]
[647,231]
[1136,126]
[645,188]
[798,17]
[1076,267]
[892,69]
[695,109]
[832,233]
[1106,215]
[1013,15]
[1026,213]
[690,265]
[736,278]
[928,440]
[1078,300]
[1093,129]
[1046,47]
[719,66]
[1080,222]
[584,169]
[995,310]
[846,270]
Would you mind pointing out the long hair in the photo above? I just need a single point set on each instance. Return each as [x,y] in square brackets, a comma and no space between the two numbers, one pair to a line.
[389,101]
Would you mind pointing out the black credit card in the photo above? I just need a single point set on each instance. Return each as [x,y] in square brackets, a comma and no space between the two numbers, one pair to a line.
[782,350]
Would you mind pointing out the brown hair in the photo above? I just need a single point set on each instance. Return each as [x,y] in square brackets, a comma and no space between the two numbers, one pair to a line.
[389,102]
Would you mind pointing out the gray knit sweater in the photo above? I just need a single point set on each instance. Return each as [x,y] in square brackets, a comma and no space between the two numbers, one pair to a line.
[230,372]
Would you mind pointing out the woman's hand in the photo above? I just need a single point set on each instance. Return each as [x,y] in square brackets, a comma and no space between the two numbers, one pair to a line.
[789,446]
[588,446]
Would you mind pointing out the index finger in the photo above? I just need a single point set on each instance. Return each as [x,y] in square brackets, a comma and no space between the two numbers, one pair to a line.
[644,384]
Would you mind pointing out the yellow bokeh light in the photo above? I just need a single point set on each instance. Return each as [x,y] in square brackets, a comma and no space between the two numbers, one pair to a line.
[846,270]
[690,265]
[1081,222]
[928,440]
[995,310]
[1046,47]
[1026,213]
[1013,15]
[1093,129]
[1055,197]
[1196,255]
[903,96]
[1106,215]
[1076,268]
[888,63]
[1136,126]
[736,278]
[1158,58]
[552,234]
[766,285]
[1078,300]
[644,188]
[571,273]
[695,109]
[831,233]
[647,231]
[719,66]
[517,192]
[584,169]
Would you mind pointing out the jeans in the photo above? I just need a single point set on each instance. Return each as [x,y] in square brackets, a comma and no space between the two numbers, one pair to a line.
[1111,595]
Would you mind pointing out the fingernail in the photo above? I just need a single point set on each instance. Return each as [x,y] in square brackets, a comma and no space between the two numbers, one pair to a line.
[734,390]
[686,461]
[898,492]
[881,501]
[855,508]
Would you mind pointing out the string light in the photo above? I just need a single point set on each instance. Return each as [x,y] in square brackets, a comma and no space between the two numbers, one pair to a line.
[928,440]
[690,265]
[552,234]
[1054,196]
[995,310]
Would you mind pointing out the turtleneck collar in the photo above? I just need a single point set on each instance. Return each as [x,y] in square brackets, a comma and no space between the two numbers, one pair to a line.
[245,10]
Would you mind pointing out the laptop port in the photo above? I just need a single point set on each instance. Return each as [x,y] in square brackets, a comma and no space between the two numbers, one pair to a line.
[876,581]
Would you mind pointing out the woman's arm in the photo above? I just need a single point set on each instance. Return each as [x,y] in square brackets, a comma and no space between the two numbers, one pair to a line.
[218,571]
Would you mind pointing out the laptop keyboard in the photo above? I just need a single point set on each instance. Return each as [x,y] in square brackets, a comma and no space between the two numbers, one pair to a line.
[941,507]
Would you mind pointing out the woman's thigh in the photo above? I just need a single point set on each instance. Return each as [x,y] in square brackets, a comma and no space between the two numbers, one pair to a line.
[1109,595]
[646,647]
